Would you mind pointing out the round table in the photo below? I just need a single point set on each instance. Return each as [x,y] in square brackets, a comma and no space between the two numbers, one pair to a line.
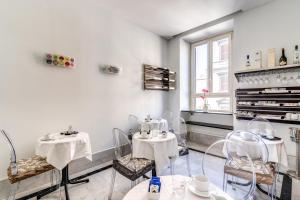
[158,148]
[276,149]
[140,192]
[60,150]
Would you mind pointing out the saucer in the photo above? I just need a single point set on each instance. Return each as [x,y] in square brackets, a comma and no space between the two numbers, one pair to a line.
[198,193]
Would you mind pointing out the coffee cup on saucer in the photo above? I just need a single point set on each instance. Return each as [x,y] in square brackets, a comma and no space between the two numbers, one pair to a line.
[201,183]
[47,137]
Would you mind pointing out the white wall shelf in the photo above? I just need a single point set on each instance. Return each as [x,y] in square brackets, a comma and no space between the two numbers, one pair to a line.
[266,70]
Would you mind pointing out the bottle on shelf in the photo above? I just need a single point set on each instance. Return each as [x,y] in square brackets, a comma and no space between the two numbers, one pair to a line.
[271,57]
[258,60]
[248,61]
[283,59]
[296,55]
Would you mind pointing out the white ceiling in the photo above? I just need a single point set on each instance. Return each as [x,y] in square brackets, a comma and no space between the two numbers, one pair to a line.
[171,17]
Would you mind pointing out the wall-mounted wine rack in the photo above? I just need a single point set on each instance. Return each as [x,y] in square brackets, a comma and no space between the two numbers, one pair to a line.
[158,78]
[277,104]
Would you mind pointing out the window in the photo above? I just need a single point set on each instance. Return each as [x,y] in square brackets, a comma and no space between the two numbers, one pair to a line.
[211,71]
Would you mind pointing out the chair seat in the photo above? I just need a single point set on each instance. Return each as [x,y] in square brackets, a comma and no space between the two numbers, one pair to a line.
[28,168]
[182,150]
[261,178]
[133,168]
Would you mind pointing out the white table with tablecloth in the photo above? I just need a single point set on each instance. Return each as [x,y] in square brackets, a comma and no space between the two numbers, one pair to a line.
[60,150]
[276,149]
[139,192]
[158,148]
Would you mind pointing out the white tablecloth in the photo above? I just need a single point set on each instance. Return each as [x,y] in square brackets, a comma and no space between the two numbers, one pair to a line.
[156,148]
[63,149]
[155,123]
[139,192]
[276,149]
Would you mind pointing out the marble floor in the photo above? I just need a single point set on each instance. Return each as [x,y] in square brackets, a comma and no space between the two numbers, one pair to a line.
[97,188]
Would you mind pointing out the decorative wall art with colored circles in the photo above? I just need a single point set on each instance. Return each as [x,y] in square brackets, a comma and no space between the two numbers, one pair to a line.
[60,61]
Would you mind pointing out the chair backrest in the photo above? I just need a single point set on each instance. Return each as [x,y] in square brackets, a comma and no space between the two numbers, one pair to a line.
[122,144]
[134,124]
[13,156]
[214,168]
[261,126]
[169,116]
[252,143]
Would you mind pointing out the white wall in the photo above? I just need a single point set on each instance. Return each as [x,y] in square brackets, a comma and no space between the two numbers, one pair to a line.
[36,99]
[185,58]
[275,25]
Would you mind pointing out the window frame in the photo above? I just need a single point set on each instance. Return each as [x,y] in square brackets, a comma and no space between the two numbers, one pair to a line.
[194,95]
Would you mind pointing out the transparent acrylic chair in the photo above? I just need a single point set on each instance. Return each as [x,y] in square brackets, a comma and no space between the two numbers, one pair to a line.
[169,116]
[261,127]
[256,148]
[216,168]
[134,125]
[20,170]
[180,130]
[124,163]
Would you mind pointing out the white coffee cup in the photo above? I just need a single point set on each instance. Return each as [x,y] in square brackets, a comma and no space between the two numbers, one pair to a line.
[294,116]
[288,116]
[201,183]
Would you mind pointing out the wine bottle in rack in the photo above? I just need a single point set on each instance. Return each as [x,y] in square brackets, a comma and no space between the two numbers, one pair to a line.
[283,59]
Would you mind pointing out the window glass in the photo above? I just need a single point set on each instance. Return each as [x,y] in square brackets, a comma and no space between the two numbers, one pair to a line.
[211,66]
[201,63]
[220,66]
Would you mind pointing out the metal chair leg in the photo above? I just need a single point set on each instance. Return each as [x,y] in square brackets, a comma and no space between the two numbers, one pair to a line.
[112,183]
[188,165]
[13,191]
[172,163]
[52,174]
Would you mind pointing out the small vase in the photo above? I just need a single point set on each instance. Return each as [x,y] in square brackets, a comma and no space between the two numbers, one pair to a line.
[205,108]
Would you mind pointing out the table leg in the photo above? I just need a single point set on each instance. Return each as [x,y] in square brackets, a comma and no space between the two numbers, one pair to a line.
[65,181]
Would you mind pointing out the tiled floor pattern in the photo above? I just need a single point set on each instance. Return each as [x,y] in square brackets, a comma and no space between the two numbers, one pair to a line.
[97,188]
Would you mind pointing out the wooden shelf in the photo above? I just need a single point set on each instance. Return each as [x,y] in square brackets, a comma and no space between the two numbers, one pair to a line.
[158,78]
[266,70]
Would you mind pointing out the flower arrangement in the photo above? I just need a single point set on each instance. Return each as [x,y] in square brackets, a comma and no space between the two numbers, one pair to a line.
[204,97]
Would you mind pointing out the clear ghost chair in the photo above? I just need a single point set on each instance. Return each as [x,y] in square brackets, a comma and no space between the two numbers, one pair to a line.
[124,162]
[20,170]
[261,127]
[134,125]
[256,148]
[169,116]
[183,150]
[214,167]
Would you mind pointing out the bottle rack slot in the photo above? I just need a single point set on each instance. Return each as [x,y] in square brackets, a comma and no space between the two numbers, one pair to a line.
[277,104]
